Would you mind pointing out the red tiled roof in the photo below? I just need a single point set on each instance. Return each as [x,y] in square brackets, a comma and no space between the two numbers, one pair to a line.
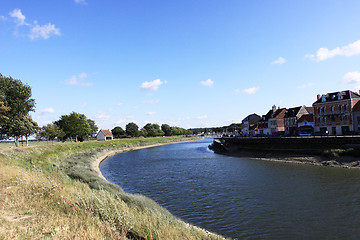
[106,132]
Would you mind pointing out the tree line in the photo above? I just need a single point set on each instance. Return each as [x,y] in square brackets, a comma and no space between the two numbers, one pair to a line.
[16,104]
[149,130]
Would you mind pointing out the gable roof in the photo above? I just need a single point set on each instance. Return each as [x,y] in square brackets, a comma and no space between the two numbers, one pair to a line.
[292,112]
[336,96]
[279,113]
[106,132]
[306,117]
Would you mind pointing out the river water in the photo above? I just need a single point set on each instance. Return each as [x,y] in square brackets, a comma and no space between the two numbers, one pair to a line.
[240,197]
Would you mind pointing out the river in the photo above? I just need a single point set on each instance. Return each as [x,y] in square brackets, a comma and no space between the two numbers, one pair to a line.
[240,197]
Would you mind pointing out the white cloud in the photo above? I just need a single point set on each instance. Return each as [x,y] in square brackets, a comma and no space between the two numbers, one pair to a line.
[19,17]
[44,31]
[251,90]
[351,77]
[119,104]
[150,113]
[152,86]
[307,85]
[36,31]
[83,2]
[47,111]
[280,60]
[101,116]
[151,102]
[207,83]
[78,80]
[324,53]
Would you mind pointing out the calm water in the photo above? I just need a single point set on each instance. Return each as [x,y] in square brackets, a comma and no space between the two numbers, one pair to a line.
[243,198]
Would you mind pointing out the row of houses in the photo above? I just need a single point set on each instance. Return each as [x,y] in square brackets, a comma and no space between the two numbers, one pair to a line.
[336,113]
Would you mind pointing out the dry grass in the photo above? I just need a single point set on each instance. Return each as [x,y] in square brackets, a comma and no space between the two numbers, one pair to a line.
[38,200]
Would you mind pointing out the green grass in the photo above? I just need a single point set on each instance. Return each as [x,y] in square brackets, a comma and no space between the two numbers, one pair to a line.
[55,193]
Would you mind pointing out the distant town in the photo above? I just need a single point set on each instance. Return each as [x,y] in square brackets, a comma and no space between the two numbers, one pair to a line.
[336,114]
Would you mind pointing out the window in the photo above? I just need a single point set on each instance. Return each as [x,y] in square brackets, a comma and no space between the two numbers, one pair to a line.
[340,96]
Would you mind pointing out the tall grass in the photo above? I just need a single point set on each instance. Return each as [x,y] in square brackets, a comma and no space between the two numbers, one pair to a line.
[52,192]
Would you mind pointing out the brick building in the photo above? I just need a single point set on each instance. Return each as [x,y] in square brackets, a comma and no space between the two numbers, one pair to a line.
[333,112]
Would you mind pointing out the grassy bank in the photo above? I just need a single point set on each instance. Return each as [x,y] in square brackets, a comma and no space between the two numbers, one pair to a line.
[52,191]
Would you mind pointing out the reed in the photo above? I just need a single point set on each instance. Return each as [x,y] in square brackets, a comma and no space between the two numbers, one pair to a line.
[52,192]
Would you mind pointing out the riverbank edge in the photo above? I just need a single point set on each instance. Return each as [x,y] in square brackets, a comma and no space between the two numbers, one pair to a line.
[315,160]
[95,152]
[97,162]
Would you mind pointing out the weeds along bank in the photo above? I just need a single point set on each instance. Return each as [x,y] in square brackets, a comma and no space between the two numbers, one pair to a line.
[52,192]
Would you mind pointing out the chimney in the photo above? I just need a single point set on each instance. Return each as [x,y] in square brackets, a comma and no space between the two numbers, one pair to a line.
[274,108]
[318,96]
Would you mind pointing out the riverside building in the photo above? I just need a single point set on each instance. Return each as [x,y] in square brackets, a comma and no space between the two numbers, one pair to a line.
[333,112]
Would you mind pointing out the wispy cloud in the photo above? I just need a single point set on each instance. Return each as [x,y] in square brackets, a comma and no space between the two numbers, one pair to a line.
[101,116]
[83,105]
[202,117]
[151,102]
[307,85]
[150,113]
[251,90]
[44,31]
[78,80]
[152,86]
[351,78]
[19,17]
[83,2]
[119,104]
[207,83]
[324,53]
[47,111]
[36,30]
[280,60]
[3,18]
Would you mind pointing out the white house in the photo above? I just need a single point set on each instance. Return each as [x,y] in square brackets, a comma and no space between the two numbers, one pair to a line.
[104,135]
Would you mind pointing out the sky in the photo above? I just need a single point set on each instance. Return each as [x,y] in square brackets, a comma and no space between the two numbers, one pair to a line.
[185,63]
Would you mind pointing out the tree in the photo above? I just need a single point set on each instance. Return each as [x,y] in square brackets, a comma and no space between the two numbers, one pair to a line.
[118,132]
[31,127]
[15,107]
[153,130]
[143,132]
[93,126]
[74,125]
[50,132]
[132,129]
[166,129]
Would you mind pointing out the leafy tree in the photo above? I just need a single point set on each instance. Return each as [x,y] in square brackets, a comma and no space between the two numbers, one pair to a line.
[15,107]
[3,110]
[50,132]
[118,132]
[93,127]
[166,129]
[74,125]
[153,130]
[132,129]
[31,127]
[143,132]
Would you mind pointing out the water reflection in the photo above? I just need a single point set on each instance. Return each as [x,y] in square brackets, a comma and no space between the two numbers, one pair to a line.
[242,198]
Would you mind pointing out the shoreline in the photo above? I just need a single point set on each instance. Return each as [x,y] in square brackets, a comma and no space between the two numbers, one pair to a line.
[96,163]
[314,160]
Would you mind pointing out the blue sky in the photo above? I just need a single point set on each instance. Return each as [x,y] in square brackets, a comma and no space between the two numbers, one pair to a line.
[185,63]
